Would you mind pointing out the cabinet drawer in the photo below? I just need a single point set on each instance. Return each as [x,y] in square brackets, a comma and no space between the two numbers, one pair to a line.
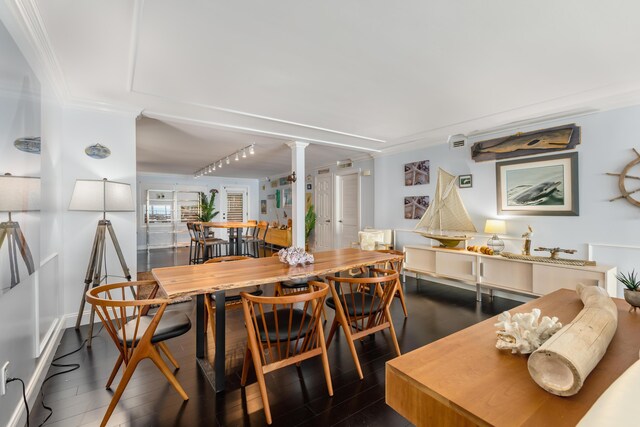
[547,279]
[456,265]
[420,260]
[506,274]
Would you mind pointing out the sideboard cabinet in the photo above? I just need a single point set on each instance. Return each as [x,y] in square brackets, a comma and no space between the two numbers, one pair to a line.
[496,272]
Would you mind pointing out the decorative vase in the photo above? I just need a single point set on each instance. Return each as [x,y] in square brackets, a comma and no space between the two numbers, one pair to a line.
[633,298]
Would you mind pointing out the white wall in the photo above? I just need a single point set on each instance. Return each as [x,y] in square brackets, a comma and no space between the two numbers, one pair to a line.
[607,139]
[28,312]
[83,127]
[149,181]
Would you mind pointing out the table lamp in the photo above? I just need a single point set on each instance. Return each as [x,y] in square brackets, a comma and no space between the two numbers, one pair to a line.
[100,196]
[495,227]
[18,194]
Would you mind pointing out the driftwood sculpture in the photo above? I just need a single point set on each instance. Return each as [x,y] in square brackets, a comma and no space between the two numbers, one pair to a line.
[561,364]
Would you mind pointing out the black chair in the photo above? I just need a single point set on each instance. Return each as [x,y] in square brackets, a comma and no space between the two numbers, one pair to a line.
[258,240]
[206,247]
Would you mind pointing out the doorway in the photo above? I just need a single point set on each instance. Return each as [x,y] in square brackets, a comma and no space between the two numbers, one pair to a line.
[347,209]
[324,212]
[234,204]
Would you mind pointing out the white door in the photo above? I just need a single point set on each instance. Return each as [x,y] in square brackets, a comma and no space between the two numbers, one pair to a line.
[347,209]
[234,204]
[324,212]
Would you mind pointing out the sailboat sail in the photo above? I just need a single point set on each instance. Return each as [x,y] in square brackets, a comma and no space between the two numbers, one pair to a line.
[447,212]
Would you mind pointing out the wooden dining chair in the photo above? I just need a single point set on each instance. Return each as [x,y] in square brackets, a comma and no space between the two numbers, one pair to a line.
[137,333]
[230,301]
[395,265]
[288,333]
[361,312]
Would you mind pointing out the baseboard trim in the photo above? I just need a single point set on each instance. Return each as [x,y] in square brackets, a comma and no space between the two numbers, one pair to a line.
[19,417]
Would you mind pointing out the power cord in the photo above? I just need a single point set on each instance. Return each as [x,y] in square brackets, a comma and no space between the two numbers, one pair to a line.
[72,367]
[24,395]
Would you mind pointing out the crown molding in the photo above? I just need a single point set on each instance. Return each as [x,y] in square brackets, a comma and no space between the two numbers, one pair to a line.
[261,117]
[106,107]
[28,17]
[250,130]
[138,7]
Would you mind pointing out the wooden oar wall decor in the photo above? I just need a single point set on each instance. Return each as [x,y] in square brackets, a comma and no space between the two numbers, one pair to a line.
[624,175]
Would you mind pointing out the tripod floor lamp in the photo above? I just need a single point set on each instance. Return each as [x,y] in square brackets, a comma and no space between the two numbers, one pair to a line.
[17,194]
[100,196]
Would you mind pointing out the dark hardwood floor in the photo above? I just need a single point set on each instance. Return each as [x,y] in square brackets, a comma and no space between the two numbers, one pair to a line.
[298,396]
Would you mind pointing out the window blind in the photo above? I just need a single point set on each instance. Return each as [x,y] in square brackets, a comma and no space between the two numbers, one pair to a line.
[235,207]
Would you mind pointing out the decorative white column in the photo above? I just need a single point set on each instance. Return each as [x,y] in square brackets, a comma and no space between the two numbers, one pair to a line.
[298,190]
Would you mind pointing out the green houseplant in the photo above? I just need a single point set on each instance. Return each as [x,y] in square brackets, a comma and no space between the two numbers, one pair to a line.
[309,222]
[631,283]
[207,206]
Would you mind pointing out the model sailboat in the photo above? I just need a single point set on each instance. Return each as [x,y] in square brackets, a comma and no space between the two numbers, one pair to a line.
[446,214]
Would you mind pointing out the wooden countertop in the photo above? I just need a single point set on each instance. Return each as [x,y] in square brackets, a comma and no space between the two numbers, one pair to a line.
[463,379]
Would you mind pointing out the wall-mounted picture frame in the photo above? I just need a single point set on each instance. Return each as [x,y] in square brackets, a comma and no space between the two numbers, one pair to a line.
[282,181]
[416,173]
[538,186]
[288,199]
[309,186]
[415,206]
[542,141]
[271,197]
[274,183]
[465,181]
[263,207]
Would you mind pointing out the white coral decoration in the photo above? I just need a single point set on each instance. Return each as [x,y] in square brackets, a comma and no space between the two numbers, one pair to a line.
[521,333]
[295,256]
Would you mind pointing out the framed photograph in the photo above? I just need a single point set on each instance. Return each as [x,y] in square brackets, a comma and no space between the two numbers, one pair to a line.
[415,206]
[271,197]
[263,207]
[539,186]
[465,181]
[282,181]
[274,183]
[416,173]
[309,187]
[288,199]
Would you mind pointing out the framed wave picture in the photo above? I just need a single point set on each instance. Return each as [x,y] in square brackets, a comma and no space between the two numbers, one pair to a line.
[538,186]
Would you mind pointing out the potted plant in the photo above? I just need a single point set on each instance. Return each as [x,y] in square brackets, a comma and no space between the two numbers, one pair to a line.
[631,283]
[207,206]
[309,223]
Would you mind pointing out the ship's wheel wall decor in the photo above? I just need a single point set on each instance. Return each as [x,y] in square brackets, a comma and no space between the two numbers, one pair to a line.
[622,181]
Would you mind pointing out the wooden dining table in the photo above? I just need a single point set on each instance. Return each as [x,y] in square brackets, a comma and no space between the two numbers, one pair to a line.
[235,235]
[217,278]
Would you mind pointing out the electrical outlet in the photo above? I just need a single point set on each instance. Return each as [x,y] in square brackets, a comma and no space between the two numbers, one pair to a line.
[4,373]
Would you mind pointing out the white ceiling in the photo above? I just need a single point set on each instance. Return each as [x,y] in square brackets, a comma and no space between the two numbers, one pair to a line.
[179,148]
[369,74]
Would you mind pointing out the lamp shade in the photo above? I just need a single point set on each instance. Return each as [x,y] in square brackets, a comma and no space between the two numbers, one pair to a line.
[19,193]
[495,226]
[101,196]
